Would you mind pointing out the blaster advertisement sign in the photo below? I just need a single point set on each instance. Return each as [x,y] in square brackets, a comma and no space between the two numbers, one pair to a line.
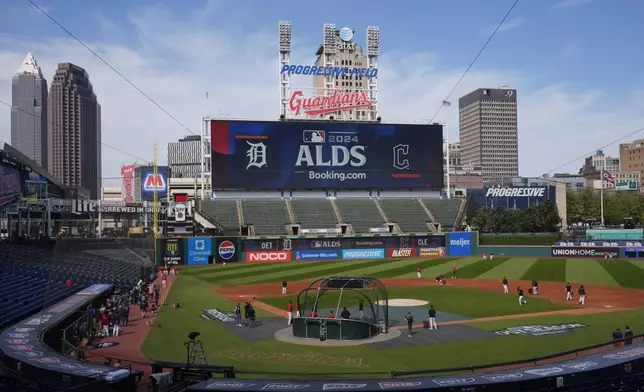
[401,253]
[591,252]
[432,252]
[268,257]
[325,155]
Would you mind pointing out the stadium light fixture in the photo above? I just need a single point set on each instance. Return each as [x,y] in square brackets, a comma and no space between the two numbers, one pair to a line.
[285,36]
[330,39]
[373,41]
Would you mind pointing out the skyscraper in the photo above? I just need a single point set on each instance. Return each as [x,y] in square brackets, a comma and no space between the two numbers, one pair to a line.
[184,157]
[75,130]
[29,111]
[488,132]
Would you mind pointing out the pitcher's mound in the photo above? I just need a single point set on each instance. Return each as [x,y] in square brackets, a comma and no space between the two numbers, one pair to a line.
[404,302]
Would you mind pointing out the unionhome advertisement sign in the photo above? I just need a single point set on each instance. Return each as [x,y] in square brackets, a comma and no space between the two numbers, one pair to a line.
[584,251]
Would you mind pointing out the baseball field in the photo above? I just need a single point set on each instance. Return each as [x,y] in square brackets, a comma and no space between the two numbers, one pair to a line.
[478,323]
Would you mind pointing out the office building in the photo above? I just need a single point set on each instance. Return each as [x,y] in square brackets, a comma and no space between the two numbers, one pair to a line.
[488,132]
[461,177]
[29,111]
[74,135]
[184,157]
[340,50]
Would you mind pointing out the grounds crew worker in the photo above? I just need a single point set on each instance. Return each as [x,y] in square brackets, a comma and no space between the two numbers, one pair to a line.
[410,323]
[505,285]
[432,317]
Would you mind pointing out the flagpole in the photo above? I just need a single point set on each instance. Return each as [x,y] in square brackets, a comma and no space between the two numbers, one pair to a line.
[601,196]
[449,192]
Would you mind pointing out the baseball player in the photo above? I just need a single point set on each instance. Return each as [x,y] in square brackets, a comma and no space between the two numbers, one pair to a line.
[289,312]
[284,287]
[431,314]
[484,256]
[582,295]
[535,287]
[520,292]
[418,272]
[568,292]
[453,272]
[505,285]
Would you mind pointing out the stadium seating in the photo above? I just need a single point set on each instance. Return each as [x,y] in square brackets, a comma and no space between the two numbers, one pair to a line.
[33,276]
[268,216]
[222,213]
[314,213]
[363,214]
[409,214]
[444,210]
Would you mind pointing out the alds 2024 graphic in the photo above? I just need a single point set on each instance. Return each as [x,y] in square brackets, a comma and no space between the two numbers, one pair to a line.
[325,155]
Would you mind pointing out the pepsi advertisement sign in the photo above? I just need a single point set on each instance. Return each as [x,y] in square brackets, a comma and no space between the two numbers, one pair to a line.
[226,250]
[319,255]
[326,155]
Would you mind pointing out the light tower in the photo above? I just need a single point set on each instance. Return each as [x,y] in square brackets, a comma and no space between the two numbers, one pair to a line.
[373,52]
[285,59]
[330,42]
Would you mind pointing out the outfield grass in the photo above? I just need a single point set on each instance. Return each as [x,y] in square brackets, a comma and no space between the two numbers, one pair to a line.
[172,326]
[625,274]
[589,272]
[465,302]
[513,269]
[547,270]
[477,269]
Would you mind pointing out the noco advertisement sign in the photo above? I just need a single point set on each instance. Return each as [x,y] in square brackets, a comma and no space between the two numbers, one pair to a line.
[325,155]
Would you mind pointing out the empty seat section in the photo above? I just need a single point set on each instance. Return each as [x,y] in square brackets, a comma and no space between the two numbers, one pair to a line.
[268,216]
[314,213]
[444,210]
[222,212]
[363,214]
[408,213]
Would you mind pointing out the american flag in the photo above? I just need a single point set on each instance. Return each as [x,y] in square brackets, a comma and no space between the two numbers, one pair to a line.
[447,103]
[608,176]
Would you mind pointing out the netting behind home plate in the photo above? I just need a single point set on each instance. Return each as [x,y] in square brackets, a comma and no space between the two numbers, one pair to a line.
[336,293]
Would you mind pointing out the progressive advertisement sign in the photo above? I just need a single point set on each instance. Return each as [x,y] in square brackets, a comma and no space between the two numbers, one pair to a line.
[325,155]
[509,197]
[460,243]
[363,254]
[199,250]
[586,251]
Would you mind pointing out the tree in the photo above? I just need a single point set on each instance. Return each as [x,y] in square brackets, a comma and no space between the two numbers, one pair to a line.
[585,205]
[535,219]
[471,209]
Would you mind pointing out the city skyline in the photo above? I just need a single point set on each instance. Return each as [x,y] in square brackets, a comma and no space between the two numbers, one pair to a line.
[29,111]
[571,100]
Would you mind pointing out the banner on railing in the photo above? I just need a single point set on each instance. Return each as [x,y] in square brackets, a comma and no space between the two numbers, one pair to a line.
[378,230]
[335,230]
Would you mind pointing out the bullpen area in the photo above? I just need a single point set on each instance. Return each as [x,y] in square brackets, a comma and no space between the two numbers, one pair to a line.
[477,322]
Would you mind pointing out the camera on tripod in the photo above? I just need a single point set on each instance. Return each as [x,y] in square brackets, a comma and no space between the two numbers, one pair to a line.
[193,335]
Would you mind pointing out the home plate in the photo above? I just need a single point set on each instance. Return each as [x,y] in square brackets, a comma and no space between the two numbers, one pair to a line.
[404,302]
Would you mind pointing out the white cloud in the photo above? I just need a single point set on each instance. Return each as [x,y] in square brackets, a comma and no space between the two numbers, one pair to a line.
[176,61]
[508,25]
[571,3]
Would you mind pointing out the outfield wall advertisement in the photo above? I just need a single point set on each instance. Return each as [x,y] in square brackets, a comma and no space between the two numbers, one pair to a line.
[326,155]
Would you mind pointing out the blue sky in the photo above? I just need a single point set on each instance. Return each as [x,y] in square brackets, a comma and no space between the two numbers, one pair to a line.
[577,64]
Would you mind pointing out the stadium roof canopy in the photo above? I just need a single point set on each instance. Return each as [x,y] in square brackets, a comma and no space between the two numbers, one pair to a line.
[18,157]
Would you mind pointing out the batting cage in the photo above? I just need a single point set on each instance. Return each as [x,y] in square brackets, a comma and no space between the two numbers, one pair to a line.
[347,300]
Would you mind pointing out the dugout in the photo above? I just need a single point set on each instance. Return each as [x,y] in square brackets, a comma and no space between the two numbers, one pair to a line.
[333,295]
